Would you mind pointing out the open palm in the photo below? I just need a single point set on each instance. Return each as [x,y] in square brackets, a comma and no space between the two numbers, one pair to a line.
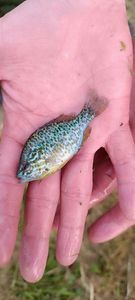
[53,57]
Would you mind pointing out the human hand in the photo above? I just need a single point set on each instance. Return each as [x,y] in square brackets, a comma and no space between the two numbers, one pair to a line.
[115,221]
[52,55]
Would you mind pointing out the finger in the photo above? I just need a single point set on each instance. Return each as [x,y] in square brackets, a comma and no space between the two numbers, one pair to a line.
[121,150]
[75,194]
[109,226]
[10,194]
[104,181]
[41,205]
[56,218]
[132,101]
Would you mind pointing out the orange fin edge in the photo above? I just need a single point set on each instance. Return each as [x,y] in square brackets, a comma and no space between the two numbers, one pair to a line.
[64,118]
[86,134]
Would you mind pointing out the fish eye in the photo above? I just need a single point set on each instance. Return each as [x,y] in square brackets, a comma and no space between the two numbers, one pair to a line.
[26,165]
[33,154]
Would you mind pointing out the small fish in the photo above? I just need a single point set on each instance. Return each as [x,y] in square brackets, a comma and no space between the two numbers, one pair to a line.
[51,146]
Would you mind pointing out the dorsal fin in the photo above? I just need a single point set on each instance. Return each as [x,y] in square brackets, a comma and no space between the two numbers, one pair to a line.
[62,118]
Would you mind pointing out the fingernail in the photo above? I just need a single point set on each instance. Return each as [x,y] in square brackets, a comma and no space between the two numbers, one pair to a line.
[68,245]
[33,256]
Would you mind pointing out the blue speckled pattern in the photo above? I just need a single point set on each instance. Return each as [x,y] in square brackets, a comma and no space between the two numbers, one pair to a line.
[50,147]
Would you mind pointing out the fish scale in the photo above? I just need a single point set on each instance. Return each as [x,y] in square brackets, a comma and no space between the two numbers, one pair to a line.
[50,147]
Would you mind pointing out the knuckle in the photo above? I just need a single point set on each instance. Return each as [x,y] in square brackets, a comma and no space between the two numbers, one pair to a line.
[42,202]
[75,194]
[72,227]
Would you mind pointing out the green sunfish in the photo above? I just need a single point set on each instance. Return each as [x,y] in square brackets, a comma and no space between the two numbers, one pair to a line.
[51,146]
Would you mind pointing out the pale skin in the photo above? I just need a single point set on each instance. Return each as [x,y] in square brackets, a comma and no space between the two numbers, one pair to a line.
[52,53]
[116,220]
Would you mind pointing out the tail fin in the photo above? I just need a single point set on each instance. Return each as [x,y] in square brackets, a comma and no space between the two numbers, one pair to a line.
[97,104]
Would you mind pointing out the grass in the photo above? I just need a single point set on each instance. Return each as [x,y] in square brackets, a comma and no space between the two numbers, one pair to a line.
[58,282]
[7,5]
[101,272]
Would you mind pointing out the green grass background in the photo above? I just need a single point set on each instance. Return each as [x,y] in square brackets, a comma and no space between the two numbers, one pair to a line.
[101,272]
[7,5]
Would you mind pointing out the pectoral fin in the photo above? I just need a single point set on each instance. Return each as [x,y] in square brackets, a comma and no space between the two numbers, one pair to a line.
[86,134]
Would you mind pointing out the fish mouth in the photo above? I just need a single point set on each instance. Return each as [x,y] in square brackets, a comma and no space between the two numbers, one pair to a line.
[21,181]
[22,178]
